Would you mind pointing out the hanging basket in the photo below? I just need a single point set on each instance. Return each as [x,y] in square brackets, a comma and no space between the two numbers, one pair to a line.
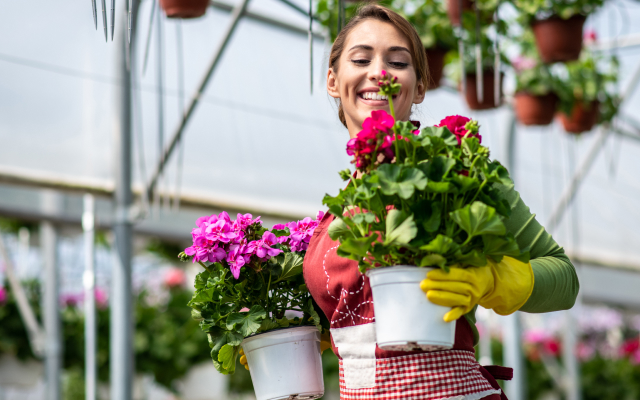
[488,100]
[435,62]
[535,110]
[557,39]
[184,8]
[582,119]
[453,10]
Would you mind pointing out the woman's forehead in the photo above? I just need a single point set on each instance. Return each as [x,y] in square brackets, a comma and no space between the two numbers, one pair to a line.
[376,35]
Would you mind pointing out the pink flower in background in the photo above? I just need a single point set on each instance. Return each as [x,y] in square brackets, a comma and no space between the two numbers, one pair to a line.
[3,295]
[585,351]
[456,124]
[536,336]
[319,216]
[71,299]
[102,300]
[279,227]
[521,63]
[174,277]
[301,233]
[262,248]
[589,37]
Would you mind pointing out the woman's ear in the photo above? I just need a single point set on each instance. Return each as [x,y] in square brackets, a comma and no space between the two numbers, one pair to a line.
[332,84]
[421,89]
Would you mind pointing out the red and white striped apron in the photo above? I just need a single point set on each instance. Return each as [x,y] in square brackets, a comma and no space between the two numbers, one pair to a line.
[366,371]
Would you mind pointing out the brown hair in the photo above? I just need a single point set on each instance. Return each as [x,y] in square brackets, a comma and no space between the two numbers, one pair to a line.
[383,14]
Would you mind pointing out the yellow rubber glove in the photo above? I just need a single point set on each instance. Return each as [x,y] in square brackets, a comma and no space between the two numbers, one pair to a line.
[503,287]
[325,343]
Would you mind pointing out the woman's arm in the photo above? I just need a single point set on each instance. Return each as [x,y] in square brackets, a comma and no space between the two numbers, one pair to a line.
[556,282]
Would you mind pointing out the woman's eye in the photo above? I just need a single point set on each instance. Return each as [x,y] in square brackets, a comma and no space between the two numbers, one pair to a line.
[399,65]
[361,61]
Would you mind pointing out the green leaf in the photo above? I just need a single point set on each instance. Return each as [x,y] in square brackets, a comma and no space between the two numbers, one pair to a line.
[227,358]
[283,322]
[338,229]
[498,246]
[364,217]
[433,260]
[290,267]
[495,172]
[441,245]
[247,322]
[478,219]
[428,214]
[201,280]
[203,295]
[345,174]
[314,317]
[441,187]
[437,168]
[474,258]
[401,181]
[400,228]
[464,183]
[268,325]
[443,133]
[355,249]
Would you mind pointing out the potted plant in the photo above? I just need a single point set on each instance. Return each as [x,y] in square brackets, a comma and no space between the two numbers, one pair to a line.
[431,21]
[587,90]
[487,63]
[251,294]
[557,26]
[423,200]
[454,7]
[184,8]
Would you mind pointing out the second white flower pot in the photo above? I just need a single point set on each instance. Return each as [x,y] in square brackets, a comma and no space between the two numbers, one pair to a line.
[405,319]
[285,363]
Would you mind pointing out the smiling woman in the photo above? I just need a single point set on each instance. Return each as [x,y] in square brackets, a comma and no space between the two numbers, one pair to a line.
[375,39]
[379,54]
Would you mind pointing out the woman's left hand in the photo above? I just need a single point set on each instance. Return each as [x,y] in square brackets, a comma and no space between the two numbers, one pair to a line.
[503,287]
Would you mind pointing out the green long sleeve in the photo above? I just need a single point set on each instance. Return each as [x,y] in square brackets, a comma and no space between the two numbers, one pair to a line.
[556,282]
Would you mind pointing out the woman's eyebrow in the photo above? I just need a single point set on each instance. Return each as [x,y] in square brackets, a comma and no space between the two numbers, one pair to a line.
[399,48]
[361,46]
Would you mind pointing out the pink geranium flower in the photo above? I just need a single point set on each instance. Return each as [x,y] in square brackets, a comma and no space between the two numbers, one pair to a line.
[375,138]
[456,124]
[3,295]
[262,248]
[243,221]
[522,63]
[236,259]
[589,37]
[102,299]
[221,231]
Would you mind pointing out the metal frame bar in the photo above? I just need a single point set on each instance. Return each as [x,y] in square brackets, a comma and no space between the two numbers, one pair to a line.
[236,14]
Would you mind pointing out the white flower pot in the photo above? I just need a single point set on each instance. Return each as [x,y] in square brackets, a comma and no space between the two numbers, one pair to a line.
[285,363]
[405,319]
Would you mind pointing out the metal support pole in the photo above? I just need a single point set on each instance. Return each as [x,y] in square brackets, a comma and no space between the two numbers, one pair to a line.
[515,389]
[576,180]
[236,14]
[570,361]
[121,329]
[88,279]
[51,311]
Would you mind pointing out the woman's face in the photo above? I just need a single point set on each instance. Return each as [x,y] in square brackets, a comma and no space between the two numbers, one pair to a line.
[373,46]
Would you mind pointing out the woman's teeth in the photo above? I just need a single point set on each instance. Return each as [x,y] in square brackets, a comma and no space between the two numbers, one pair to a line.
[373,96]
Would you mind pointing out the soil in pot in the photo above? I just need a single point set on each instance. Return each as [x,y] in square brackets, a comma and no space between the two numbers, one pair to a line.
[535,110]
[453,9]
[435,62]
[488,100]
[557,39]
[184,8]
[582,119]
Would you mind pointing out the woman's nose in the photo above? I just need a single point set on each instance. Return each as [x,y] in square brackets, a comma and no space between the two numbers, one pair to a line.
[375,70]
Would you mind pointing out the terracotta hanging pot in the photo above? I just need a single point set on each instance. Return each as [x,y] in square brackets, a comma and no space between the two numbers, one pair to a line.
[557,39]
[435,62]
[184,8]
[582,119]
[488,100]
[535,110]
[453,9]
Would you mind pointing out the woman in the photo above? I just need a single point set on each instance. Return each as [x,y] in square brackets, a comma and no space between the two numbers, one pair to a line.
[378,39]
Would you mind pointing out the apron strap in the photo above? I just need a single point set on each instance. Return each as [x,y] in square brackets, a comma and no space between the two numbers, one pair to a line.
[499,373]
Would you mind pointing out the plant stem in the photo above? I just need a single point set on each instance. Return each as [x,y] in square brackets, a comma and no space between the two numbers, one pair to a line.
[204,266]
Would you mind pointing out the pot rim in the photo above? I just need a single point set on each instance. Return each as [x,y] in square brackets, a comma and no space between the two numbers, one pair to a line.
[280,329]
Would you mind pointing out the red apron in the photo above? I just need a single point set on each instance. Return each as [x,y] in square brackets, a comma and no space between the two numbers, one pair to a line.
[368,372]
